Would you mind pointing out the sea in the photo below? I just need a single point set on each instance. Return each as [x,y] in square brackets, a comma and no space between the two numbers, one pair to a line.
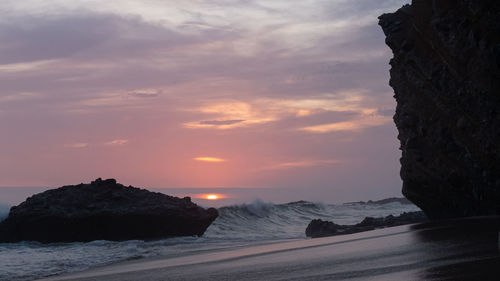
[239,225]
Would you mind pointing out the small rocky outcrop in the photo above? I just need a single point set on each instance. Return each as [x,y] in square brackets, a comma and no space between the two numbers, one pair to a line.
[446,78]
[402,201]
[319,228]
[103,210]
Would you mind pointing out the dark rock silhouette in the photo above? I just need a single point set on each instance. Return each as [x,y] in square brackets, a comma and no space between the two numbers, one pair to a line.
[402,201]
[103,210]
[319,228]
[446,78]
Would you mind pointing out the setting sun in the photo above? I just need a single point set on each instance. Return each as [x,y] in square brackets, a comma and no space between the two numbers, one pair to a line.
[212,197]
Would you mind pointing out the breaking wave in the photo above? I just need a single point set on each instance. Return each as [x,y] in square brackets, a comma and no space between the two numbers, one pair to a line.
[264,221]
[236,226]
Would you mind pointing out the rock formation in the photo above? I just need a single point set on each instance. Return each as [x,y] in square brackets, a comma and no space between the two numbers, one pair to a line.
[446,78]
[319,228]
[103,210]
[402,201]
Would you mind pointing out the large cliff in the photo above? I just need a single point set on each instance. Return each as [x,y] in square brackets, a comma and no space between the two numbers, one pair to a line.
[446,78]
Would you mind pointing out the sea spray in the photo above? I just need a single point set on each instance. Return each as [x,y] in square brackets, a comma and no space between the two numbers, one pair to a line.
[236,226]
[265,221]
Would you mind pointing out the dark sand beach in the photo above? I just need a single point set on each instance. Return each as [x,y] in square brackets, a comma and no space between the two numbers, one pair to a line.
[222,103]
[465,249]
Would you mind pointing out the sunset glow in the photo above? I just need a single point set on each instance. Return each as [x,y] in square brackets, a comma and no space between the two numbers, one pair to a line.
[357,125]
[243,94]
[209,159]
[227,133]
[304,164]
[212,197]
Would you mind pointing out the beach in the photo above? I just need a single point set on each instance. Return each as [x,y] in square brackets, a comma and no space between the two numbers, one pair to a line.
[227,140]
[465,249]
[237,227]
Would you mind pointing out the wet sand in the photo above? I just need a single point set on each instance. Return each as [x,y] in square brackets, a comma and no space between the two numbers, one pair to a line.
[466,249]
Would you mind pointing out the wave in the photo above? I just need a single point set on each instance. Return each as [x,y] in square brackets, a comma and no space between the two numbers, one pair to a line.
[260,220]
[236,226]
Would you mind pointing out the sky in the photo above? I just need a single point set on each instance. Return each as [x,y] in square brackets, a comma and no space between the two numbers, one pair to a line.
[290,95]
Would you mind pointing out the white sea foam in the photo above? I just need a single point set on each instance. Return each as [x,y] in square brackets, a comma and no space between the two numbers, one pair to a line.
[236,226]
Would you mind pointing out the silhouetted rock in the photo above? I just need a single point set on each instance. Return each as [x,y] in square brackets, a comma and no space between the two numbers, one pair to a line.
[446,78]
[4,211]
[103,210]
[402,201]
[319,228]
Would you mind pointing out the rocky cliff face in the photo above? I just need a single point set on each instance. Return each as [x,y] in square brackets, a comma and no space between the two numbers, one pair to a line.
[446,78]
[103,210]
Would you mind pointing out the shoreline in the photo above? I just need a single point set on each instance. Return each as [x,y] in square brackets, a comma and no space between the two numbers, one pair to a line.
[216,256]
[409,252]
[240,225]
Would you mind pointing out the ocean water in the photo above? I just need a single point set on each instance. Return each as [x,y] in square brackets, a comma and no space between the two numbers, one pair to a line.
[236,226]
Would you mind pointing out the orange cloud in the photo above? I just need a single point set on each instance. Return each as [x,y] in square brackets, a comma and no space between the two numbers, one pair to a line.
[210,159]
[231,115]
[366,121]
[302,164]
[236,114]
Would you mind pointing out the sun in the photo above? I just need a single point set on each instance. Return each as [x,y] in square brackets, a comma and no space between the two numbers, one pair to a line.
[212,196]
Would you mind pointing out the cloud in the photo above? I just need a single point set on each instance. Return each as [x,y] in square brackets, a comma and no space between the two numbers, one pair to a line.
[145,93]
[210,159]
[24,66]
[45,39]
[387,111]
[220,122]
[120,99]
[116,142]
[19,97]
[348,110]
[362,122]
[77,145]
[239,114]
[302,164]
[257,80]
[85,35]
[143,48]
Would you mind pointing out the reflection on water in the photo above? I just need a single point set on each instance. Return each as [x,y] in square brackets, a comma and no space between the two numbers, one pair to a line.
[465,249]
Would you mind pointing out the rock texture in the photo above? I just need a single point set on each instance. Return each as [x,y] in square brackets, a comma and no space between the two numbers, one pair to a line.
[446,78]
[103,210]
[319,228]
